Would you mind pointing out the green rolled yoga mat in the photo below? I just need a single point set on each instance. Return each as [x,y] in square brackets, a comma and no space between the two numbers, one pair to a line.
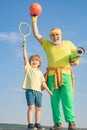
[77,54]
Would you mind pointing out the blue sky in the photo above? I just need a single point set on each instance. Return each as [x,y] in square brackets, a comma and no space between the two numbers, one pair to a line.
[71,17]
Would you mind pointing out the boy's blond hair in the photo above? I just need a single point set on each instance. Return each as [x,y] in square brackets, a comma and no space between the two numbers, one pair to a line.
[37,57]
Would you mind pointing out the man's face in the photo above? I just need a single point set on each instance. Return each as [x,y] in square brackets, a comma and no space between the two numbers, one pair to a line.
[55,37]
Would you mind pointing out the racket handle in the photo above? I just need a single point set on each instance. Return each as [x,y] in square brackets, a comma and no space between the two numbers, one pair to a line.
[24,40]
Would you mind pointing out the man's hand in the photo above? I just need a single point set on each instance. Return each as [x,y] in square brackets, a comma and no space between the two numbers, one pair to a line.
[73,63]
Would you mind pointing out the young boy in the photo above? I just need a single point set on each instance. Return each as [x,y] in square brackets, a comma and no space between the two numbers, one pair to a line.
[33,83]
[59,73]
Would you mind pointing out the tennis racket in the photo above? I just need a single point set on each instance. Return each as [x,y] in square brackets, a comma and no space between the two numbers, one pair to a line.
[25,30]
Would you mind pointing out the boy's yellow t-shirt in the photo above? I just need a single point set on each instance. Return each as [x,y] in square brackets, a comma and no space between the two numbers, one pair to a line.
[33,78]
[58,57]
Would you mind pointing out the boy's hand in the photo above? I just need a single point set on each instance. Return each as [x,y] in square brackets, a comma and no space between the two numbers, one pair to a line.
[24,45]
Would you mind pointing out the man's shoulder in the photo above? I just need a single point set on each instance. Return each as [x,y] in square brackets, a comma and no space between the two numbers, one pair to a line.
[67,42]
[46,43]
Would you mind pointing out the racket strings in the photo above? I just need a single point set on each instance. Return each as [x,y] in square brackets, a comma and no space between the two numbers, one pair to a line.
[24,29]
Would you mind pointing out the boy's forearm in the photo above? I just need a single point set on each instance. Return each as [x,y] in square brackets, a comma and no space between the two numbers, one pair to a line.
[25,53]
[46,88]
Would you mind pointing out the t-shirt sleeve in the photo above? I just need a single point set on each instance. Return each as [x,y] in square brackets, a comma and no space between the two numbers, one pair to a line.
[45,44]
[72,46]
[26,66]
[42,77]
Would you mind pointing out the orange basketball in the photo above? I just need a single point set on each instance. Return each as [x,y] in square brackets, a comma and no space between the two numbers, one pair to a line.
[35,9]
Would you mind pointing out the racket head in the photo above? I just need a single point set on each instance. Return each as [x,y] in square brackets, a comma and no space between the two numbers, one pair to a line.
[24,29]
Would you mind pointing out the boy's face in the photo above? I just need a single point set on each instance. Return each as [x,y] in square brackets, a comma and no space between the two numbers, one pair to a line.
[34,62]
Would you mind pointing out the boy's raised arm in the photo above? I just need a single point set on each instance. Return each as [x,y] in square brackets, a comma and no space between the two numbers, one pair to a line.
[25,53]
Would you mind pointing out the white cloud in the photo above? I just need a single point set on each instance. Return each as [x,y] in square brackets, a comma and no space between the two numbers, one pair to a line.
[11,37]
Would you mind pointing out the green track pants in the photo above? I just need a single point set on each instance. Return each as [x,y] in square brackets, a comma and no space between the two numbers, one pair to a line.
[65,95]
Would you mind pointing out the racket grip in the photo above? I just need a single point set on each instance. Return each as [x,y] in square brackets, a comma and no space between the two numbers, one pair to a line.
[24,40]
